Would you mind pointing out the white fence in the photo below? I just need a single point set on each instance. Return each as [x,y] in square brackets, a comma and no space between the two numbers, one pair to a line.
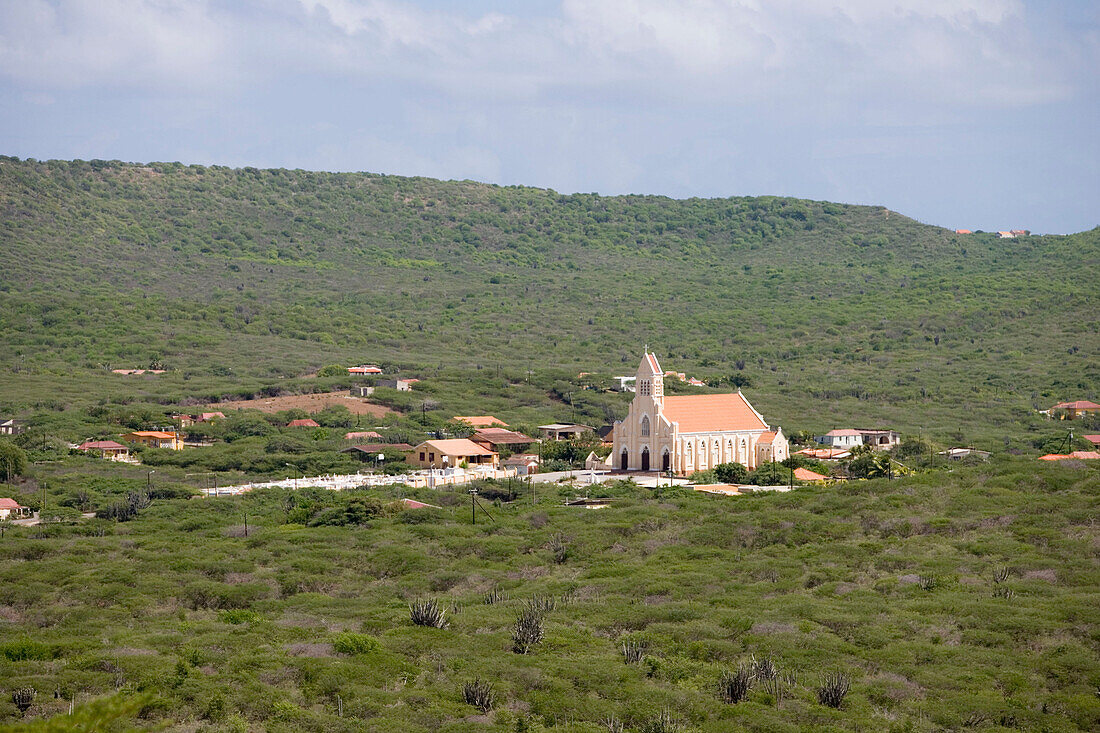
[432,478]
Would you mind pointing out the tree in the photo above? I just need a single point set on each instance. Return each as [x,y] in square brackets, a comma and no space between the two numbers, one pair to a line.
[731,473]
[13,461]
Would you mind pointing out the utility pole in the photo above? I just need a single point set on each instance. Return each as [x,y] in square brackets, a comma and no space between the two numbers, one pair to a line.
[473,506]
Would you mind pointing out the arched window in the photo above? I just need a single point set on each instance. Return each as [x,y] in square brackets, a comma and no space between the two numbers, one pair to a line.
[645,425]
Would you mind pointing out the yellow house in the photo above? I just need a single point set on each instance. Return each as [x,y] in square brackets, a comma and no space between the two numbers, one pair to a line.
[451,454]
[155,439]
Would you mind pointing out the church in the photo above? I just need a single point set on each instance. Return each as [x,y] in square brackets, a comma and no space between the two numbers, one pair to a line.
[688,433]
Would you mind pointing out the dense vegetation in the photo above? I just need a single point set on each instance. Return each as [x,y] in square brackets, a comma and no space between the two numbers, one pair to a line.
[246,279]
[948,600]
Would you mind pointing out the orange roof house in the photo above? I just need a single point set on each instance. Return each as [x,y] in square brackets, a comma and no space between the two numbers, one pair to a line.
[108,449]
[491,438]
[9,507]
[1077,408]
[155,439]
[303,422]
[963,231]
[1094,439]
[481,421]
[451,454]
[1081,455]
[805,474]
[688,433]
[364,369]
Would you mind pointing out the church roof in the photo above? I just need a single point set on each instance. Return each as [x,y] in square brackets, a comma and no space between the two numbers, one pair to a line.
[717,412]
[766,437]
[653,365]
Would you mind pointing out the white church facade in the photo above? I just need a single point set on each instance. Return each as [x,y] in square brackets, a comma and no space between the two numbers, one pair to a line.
[688,433]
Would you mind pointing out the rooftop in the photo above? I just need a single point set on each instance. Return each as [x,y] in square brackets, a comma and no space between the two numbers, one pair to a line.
[717,412]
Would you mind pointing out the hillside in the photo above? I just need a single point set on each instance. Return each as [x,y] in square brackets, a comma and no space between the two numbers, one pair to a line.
[848,311]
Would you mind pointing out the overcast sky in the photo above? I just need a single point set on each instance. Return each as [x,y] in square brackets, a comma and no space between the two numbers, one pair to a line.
[982,114]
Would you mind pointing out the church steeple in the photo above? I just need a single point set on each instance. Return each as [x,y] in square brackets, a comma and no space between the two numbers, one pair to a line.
[650,380]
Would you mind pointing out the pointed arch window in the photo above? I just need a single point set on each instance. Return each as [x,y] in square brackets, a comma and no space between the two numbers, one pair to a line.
[645,425]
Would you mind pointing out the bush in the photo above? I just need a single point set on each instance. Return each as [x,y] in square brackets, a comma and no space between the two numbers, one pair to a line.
[13,461]
[735,684]
[527,630]
[352,643]
[731,473]
[26,649]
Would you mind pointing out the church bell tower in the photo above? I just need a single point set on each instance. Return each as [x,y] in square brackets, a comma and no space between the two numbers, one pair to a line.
[649,383]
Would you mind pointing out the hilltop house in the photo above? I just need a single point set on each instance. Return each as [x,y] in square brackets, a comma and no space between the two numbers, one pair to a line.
[364,369]
[1076,409]
[303,422]
[11,426]
[401,385]
[451,454]
[155,439]
[563,431]
[11,509]
[526,464]
[688,433]
[848,438]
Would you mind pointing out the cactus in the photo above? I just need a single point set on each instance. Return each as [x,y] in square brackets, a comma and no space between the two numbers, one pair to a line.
[833,689]
[479,694]
[735,684]
[527,631]
[427,613]
[24,698]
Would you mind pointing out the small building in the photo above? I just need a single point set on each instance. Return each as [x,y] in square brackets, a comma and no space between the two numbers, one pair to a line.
[623,384]
[497,438]
[1081,455]
[772,446]
[1005,235]
[107,449]
[182,420]
[401,385]
[825,454]
[303,422]
[1021,232]
[526,464]
[414,504]
[451,454]
[12,426]
[846,438]
[364,369]
[361,390]
[369,452]
[481,421]
[11,509]
[1077,408]
[606,434]
[155,439]
[1094,439]
[563,431]
[363,435]
[963,231]
[587,503]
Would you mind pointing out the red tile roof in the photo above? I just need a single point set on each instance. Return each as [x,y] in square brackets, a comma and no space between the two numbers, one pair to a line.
[1083,455]
[152,434]
[712,412]
[303,423]
[805,474]
[500,436]
[1094,439]
[6,503]
[362,434]
[414,504]
[101,445]
[1076,405]
[653,364]
[458,447]
[963,231]
[843,431]
[767,437]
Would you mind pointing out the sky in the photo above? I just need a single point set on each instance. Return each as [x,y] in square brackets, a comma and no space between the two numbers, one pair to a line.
[977,114]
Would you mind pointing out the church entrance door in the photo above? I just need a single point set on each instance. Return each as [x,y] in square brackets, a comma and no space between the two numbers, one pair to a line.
[666,465]
[622,461]
[645,459]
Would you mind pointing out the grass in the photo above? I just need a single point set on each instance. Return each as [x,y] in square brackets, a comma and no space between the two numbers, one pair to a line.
[308,628]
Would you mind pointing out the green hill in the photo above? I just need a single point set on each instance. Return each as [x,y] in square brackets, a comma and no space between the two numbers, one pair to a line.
[849,312]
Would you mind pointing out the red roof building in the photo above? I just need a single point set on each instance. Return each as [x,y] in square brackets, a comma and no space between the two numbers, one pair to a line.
[1077,408]
[304,422]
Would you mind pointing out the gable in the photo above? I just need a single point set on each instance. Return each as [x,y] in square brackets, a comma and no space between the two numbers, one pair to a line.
[712,413]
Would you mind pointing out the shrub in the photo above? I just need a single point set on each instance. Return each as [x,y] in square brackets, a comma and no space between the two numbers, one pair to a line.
[23,650]
[731,473]
[238,616]
[734,684]
[427,613]
[833,689]
[559,548]
[13,460]
[351,643]
[479,694]
[927,582]
[527,630]
[493,596]
[663,723]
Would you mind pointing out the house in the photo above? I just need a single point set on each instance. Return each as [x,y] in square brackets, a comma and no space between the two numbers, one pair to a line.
[526,464]
[808,476]
[1094,439]
[401,385]
[108,449]
[1081,455]
[361,391]
[563,431]
[1005,235]
[1021,232]
[848,438]
[303,422]
[623,384]
[414,504]
[586,503]
[696,382]
[958,454]
[451,454]
[11,426]
[370,451]
[363,435]
[497,438]
[963,231]
[606,434]
[364,369]
[1075,409]
[688,433]
[11,509]
[481,421]
[182,420]
[155,439]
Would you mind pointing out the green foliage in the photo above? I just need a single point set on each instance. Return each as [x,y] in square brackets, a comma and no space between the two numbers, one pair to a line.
[13,461]
[351,643]
[731,473]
